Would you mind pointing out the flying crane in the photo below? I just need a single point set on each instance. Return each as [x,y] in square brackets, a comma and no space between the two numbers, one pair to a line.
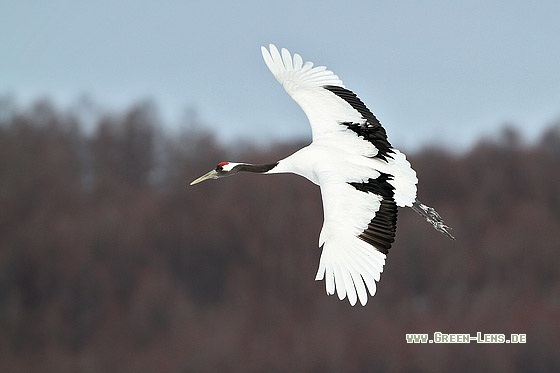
[363,179]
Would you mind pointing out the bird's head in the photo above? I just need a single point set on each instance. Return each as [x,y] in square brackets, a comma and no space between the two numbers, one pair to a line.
[222,169]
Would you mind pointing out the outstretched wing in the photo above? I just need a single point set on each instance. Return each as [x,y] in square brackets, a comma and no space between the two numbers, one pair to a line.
[330,107]
[359,228]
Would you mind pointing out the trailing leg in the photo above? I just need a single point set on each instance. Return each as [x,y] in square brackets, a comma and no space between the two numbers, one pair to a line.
[432,217]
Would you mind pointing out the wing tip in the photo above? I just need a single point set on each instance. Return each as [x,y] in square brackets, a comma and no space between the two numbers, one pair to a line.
[283,61]
[353,275]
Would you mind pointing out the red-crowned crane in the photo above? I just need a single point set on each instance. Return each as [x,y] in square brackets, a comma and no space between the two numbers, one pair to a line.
[362,177]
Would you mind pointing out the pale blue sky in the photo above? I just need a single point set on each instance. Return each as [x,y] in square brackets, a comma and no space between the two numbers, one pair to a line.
[432,71]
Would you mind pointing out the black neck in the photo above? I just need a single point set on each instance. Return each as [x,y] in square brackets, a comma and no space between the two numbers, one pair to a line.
[255,168]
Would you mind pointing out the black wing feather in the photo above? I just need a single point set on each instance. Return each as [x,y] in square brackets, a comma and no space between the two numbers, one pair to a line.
[371,130]
[381,230]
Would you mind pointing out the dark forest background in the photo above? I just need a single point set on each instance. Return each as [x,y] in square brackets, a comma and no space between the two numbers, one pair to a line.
[109,261]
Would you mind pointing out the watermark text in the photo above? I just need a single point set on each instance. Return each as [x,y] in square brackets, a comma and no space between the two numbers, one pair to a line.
[439,337]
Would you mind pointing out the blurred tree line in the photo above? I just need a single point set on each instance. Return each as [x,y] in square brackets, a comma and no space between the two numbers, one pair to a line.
[110,262]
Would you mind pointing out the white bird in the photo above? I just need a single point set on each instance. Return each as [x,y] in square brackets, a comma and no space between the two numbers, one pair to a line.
[362,177]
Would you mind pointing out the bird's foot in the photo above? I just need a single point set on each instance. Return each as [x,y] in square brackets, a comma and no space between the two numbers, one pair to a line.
[440,227]
[432,217]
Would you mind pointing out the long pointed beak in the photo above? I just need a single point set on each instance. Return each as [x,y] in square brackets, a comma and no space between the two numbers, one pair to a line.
[210,175]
